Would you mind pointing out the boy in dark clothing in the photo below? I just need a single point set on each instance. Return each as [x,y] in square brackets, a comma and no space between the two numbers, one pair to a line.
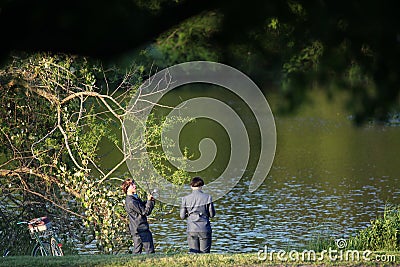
[198,207]
[138,211]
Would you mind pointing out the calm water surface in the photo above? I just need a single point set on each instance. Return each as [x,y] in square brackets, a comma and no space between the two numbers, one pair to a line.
[328,178]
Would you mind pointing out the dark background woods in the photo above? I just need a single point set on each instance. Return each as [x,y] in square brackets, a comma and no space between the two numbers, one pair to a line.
[354,45]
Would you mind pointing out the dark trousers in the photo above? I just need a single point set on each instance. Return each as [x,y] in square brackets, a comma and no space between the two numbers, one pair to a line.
[199,242]
[143,240]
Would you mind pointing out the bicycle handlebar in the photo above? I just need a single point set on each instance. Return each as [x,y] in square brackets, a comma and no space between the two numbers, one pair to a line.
[28,222]
[33,221]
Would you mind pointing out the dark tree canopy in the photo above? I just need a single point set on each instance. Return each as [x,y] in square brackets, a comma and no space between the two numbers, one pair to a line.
[352,44]
[100,29]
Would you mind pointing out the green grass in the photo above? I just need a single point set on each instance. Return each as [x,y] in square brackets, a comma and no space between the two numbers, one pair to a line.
[382,237]
[244,259]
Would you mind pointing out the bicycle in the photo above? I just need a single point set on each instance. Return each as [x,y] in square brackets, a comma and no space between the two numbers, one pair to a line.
[40,230]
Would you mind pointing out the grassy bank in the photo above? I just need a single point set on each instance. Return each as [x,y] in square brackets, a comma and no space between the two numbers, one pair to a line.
[245,259]
[376,245]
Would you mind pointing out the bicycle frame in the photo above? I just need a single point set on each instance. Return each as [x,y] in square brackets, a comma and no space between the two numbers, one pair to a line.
[41,244]
[38,232]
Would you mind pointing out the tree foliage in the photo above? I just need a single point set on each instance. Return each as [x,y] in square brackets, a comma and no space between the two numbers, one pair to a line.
[297,45]
[59,109]
[272,41]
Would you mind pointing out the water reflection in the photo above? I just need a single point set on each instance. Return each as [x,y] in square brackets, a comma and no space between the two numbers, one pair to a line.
[284,215]
[328,178]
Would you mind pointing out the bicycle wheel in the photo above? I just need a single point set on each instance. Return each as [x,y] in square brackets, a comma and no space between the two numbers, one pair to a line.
[55,248]
[39,250]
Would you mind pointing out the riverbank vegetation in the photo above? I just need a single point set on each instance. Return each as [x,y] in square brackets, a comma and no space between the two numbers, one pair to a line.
[57,112]
[383,234]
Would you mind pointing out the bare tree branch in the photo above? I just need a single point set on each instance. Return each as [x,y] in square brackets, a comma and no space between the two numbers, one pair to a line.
[45,177]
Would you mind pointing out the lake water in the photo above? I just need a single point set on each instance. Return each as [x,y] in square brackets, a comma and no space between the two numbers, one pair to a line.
[328,177]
